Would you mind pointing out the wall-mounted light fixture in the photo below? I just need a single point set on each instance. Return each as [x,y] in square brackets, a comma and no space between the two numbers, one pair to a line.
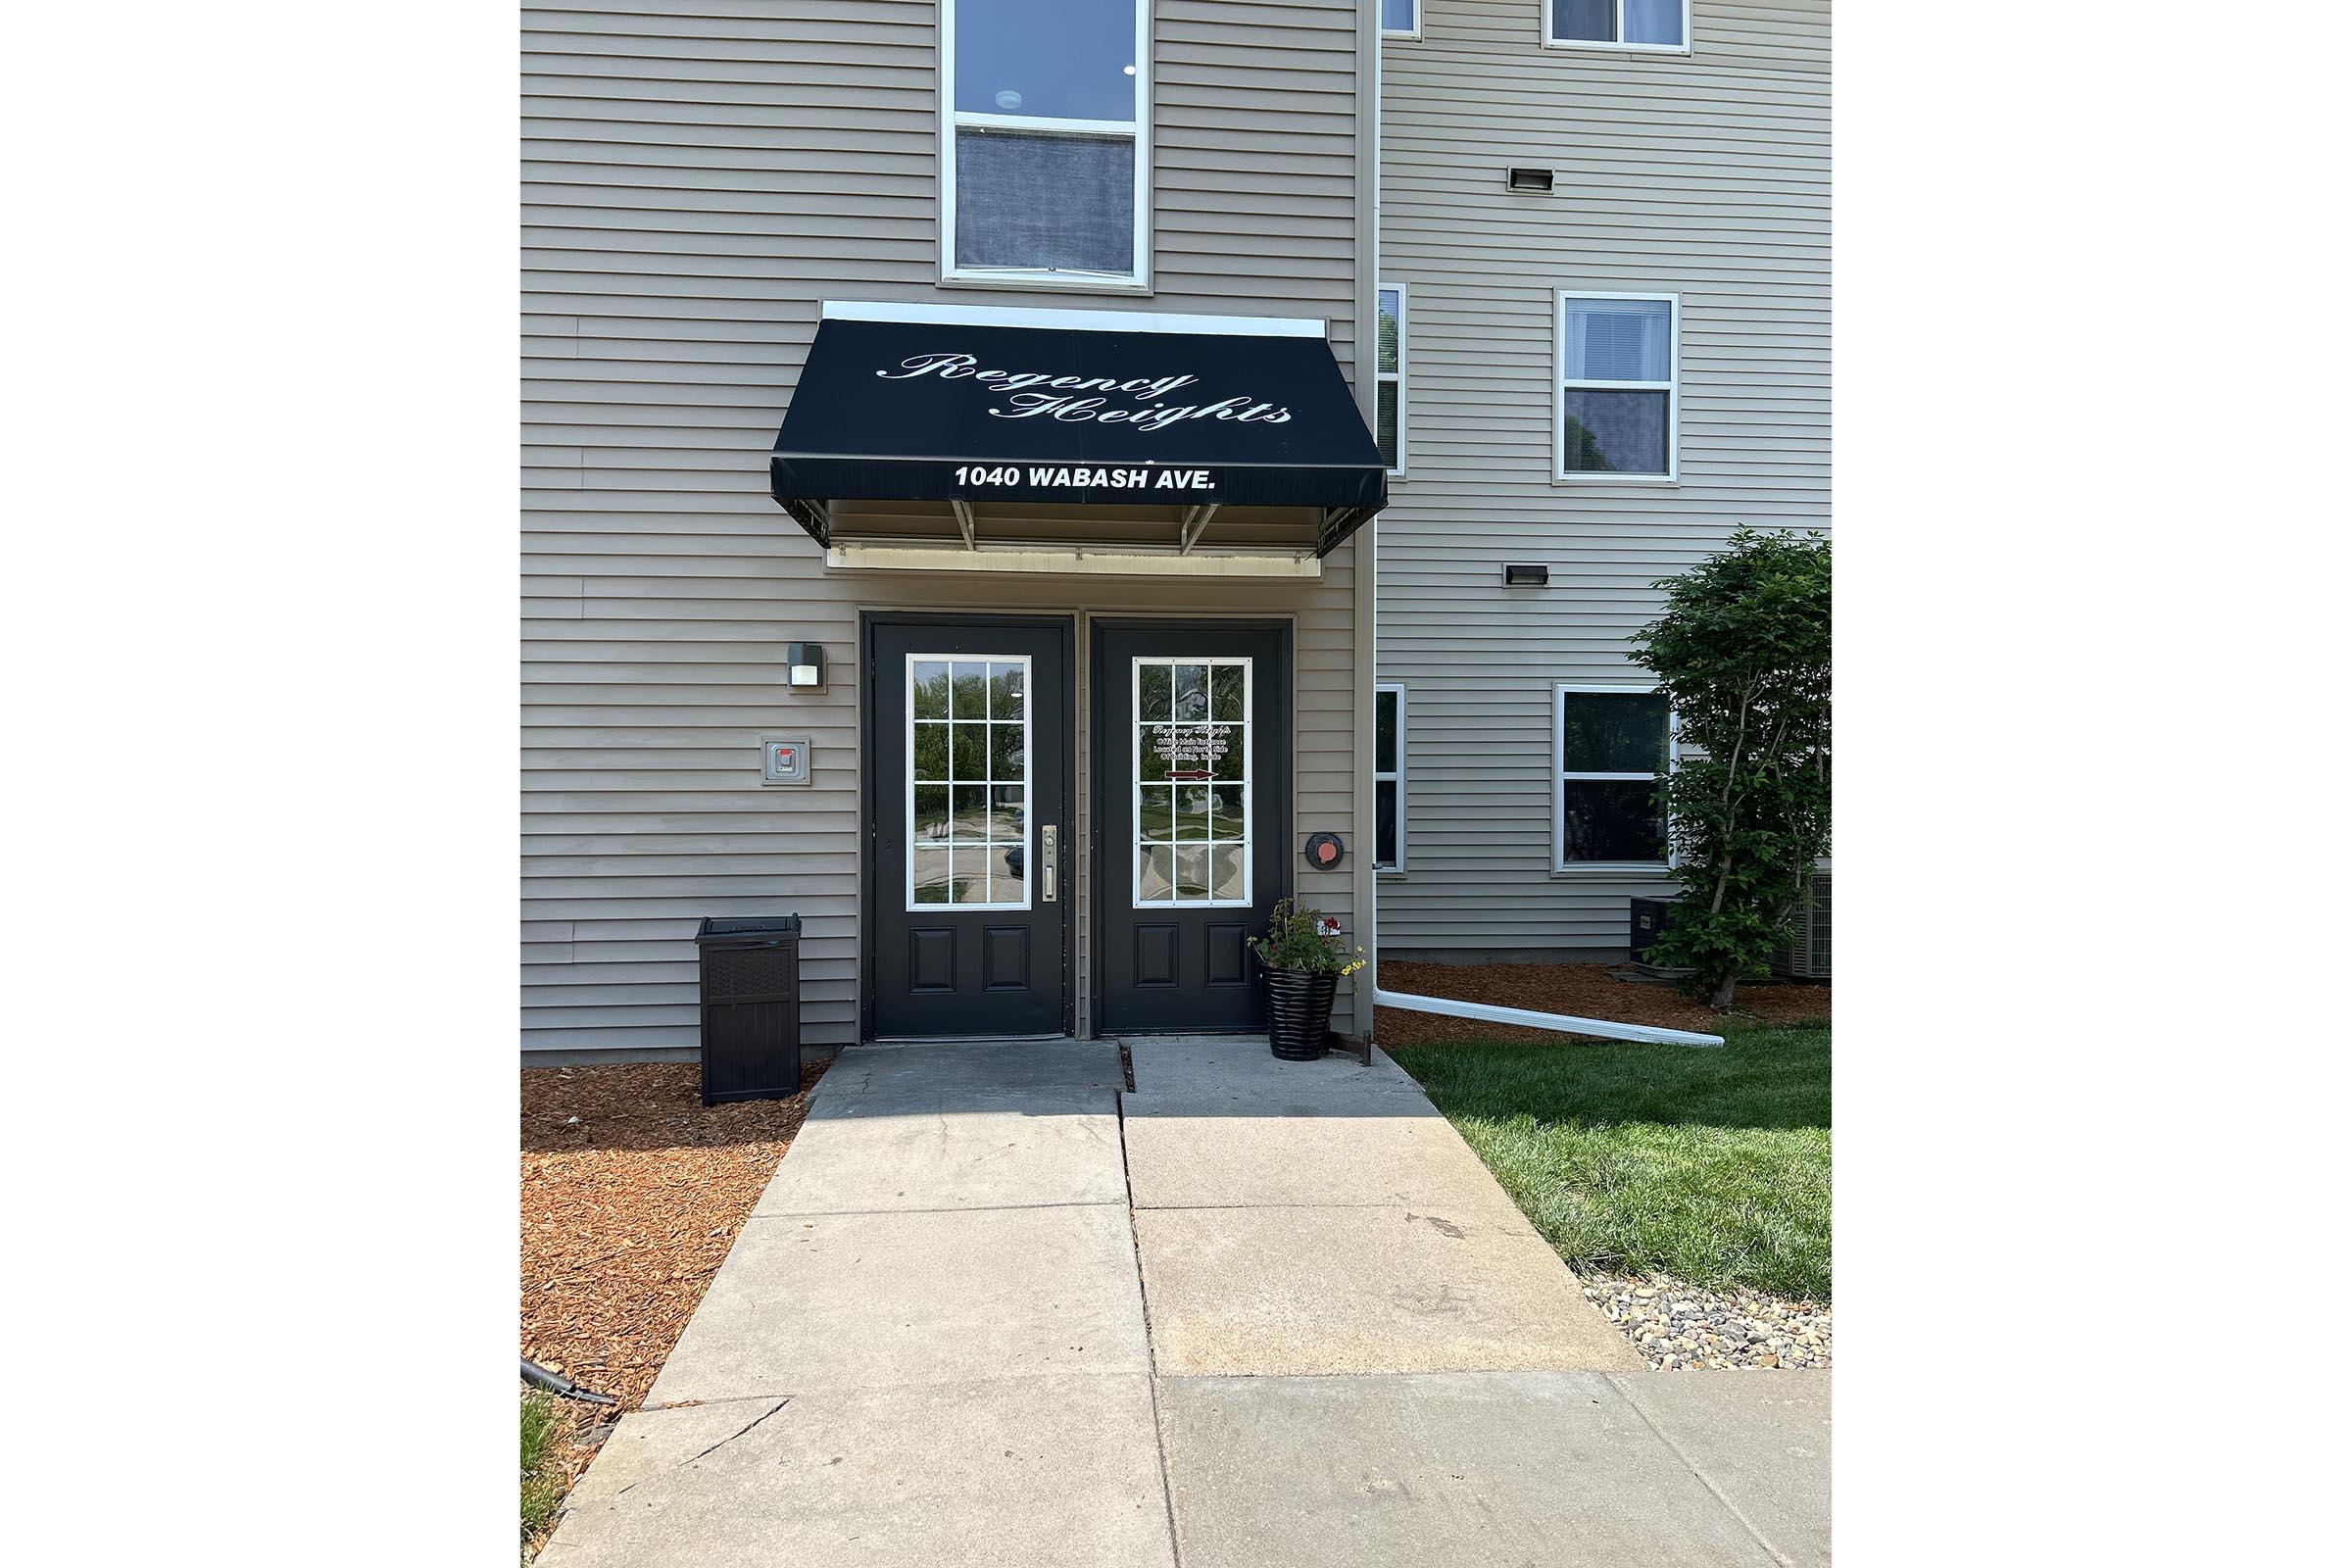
[1534,182]
[1521,575]
[805,666]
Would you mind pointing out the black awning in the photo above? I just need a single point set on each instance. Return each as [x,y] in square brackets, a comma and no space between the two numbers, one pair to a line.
[1066,417]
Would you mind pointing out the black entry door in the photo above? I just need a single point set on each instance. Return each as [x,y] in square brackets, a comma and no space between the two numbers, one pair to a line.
[968,778]
[1191,726]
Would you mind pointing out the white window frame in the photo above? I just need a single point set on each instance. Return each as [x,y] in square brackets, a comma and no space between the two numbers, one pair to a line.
[1562,386]
[1561,865]
[1135,782]
[1139,130]
[1414,33]
[1395,377]
[907,780]
[1381,688]
[1617,21]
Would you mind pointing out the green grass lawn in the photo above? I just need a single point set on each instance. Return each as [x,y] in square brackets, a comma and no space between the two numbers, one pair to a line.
[1710,1165]
[544,1420]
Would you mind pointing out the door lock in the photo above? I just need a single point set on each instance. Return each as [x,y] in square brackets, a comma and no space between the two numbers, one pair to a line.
[1049,861]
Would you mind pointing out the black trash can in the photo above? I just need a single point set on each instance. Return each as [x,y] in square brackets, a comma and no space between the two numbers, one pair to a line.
[750,1007]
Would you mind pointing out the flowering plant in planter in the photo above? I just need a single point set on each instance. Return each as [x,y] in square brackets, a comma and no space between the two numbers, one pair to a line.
[1302,968]
[1294,939]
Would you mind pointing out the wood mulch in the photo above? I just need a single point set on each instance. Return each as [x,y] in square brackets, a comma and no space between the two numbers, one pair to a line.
[632,1192]
[1581,990]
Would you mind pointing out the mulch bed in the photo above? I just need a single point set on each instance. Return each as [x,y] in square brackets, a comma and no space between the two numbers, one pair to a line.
[1580,989]
[632,1192]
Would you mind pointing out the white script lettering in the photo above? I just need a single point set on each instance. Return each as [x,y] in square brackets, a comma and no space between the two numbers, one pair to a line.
[1058,400]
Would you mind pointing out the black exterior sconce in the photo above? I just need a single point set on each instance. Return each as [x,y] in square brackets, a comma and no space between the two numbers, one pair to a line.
[805,666]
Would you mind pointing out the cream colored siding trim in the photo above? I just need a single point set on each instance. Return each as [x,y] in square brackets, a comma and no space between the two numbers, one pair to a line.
[1088,560]
[1363,545]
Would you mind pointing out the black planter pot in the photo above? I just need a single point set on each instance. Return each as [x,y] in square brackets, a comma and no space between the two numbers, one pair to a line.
[1298,1012]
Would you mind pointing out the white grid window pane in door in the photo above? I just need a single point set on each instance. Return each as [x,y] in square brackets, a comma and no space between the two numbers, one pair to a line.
[1192,781]
[967,782]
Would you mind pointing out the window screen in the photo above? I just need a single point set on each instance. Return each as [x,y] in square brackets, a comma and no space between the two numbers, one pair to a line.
[1066,203]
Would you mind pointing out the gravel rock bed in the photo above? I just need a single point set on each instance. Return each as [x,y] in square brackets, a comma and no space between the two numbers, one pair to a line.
[1678,1326]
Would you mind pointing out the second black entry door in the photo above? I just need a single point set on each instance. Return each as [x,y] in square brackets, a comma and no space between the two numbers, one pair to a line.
[1192,748]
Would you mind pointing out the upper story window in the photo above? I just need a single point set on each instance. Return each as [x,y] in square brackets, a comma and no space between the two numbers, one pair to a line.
[1611,744]
[1400,19]
[1046,159]
[1389,371]
[1617,23]
[1618,402]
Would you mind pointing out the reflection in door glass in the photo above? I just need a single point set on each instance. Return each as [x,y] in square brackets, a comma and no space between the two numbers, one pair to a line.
[1228,872]
[1192,781]
[967,782]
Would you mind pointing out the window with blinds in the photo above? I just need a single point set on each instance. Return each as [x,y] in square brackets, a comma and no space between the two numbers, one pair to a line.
[1617,406]
[1046,174]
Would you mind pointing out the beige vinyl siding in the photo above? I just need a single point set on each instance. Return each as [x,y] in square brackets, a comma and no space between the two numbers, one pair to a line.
[699,178]
[1704,175]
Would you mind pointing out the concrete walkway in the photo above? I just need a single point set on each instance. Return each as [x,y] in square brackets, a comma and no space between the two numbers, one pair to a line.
[993,1310]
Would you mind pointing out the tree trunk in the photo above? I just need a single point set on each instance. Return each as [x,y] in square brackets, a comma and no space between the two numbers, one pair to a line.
[1723,991]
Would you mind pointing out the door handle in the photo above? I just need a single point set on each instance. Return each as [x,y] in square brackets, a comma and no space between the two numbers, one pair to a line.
[1049,860]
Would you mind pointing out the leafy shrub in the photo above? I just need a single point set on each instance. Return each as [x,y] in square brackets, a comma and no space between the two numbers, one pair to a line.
[1742,653]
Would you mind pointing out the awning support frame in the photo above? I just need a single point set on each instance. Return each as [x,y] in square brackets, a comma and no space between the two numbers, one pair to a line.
[1338,523]
[816,516]
[1196,521]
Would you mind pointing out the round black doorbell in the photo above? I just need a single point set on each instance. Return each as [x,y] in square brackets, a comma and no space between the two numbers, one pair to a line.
[1324,852]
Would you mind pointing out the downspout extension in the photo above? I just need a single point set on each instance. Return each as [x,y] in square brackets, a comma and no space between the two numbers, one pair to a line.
[554,1383]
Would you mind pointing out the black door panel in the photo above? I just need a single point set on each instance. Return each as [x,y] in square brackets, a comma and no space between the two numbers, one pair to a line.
[1192,725]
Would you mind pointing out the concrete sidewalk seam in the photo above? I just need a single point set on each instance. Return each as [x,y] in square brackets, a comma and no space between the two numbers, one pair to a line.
[944,1209]
[1159,1435]
[780,1404]
[1705,1480]
[1290,1205]
[723,1398]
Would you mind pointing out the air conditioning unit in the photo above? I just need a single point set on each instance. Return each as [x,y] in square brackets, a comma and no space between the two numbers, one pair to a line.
[1646,921]
[1805,955]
